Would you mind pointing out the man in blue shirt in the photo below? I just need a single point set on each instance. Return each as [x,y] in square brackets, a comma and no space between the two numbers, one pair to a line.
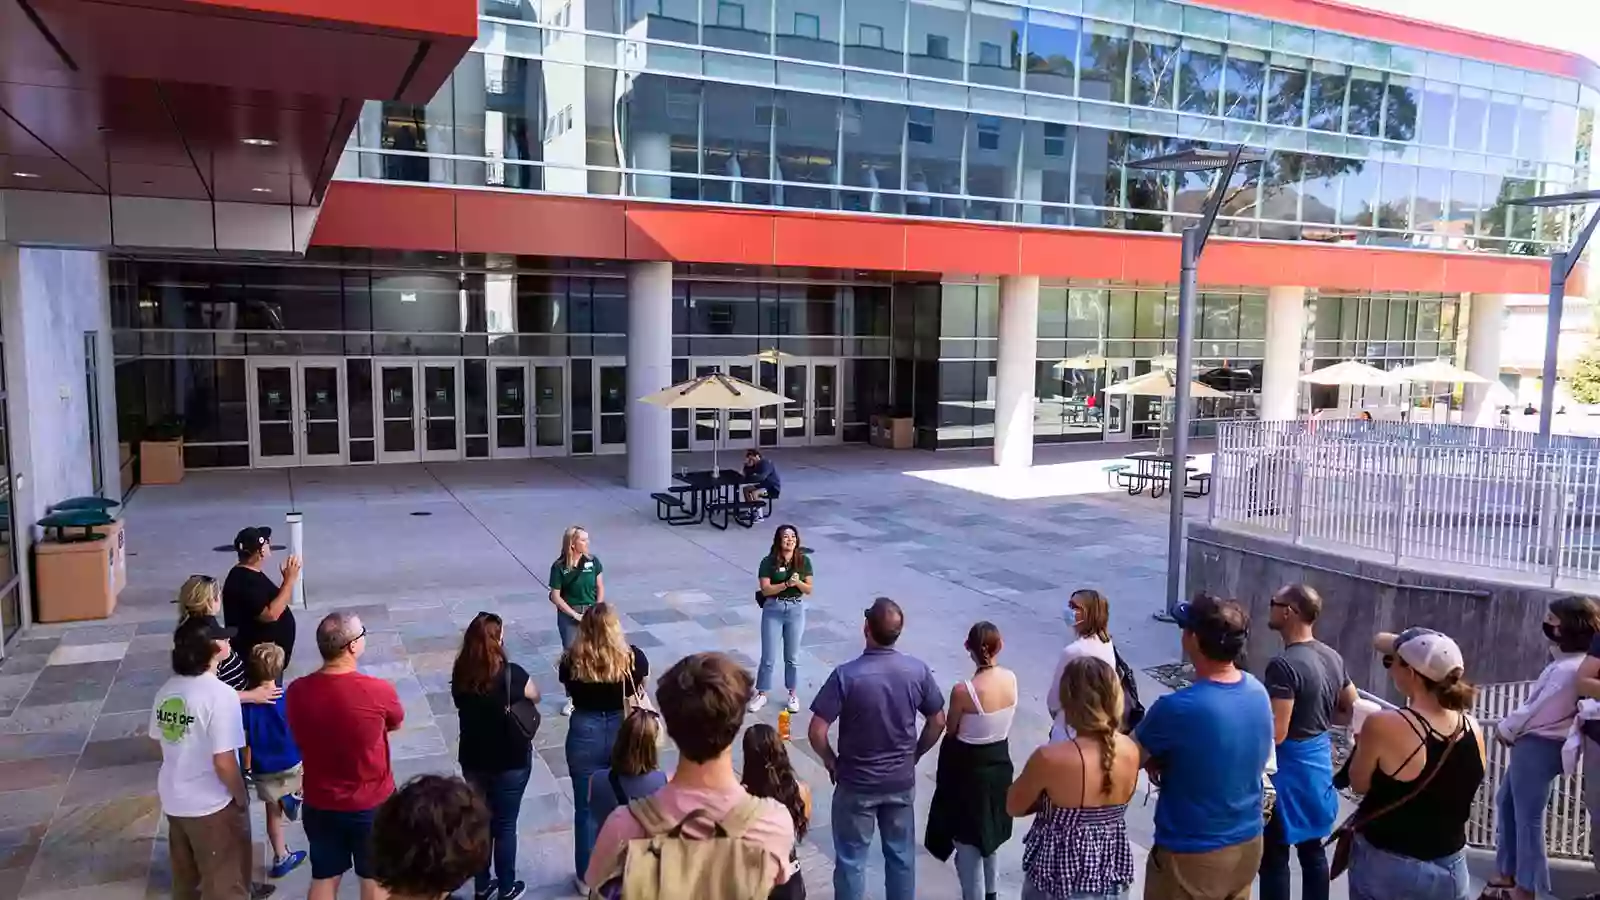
[876,699]
[762,479]
[1207,746]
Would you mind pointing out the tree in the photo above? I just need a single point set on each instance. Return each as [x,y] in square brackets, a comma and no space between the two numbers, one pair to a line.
[1585,378]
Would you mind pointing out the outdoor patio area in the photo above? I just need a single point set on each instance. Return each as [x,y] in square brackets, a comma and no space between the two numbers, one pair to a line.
[418,550]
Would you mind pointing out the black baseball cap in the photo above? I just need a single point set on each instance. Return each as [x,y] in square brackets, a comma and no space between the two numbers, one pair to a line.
[252,539]
[1211,617]
[204,628]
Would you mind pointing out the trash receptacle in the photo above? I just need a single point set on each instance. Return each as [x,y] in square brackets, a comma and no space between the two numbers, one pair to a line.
[111,529]
[75,575]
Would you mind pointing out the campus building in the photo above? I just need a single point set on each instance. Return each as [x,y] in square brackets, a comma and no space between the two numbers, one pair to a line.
[445,229]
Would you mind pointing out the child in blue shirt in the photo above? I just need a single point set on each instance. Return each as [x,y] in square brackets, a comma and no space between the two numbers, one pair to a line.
[272,758]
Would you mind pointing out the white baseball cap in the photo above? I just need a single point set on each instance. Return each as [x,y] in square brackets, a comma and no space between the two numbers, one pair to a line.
[1432,654]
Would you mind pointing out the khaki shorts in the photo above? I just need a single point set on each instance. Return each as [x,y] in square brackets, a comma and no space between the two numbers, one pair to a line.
[277,785]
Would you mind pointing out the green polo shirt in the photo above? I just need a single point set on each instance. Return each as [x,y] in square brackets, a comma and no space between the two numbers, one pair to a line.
[579,586]
[777,574]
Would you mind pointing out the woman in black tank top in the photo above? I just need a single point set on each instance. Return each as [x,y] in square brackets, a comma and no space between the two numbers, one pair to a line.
[1418,769]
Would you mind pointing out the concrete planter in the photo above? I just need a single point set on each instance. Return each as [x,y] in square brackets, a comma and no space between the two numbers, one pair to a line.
[160,462]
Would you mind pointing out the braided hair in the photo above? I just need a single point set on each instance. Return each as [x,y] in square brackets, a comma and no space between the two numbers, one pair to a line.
[1091,702]
[768,773]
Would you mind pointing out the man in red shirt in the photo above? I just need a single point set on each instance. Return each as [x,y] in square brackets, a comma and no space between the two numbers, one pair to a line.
[341,719]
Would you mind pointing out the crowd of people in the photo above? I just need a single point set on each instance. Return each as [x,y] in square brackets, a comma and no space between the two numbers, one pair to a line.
[1245,768]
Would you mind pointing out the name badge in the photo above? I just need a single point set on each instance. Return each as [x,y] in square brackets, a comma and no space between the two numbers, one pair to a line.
[587,565]
[782,571]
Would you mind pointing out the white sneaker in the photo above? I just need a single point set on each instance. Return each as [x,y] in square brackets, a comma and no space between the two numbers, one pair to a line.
[566,708]
[582,889]
[794,703]
[757,702]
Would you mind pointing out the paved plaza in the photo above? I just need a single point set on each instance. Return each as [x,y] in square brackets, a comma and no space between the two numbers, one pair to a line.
[418,550]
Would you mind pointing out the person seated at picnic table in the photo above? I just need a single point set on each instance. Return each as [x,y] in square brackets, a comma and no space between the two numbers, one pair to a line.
[763,478]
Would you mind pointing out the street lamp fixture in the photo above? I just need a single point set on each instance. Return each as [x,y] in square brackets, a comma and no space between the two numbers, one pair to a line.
[1194,242]
[1561,265]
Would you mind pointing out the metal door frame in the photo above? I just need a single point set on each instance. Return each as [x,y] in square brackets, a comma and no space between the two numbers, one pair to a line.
[419,417]
[1121,403]
[565,395]
[456,452]
[598,363]
[809,402]
[495,450]
[297,410]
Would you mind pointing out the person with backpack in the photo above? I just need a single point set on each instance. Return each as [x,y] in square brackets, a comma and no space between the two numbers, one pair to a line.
[768,773]
[576,585]
[968,814]
[702,836]
[1088,613]
[1077,792]
[635,770]
[496,757]
[1310,692]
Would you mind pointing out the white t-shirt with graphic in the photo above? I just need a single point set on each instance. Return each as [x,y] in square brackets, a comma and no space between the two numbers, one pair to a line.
[194,719]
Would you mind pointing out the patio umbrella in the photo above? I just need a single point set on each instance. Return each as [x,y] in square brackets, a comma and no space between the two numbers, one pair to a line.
[1434,372]
[1350,372]
[1164,361]
[715,391]
[774,355]
[1161,384]
[1084,361]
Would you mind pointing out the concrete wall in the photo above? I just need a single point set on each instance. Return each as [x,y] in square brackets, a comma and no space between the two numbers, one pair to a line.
[1496,624]
[48,299]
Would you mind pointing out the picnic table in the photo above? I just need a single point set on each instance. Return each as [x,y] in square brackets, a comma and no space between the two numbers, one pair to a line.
[1154,470]
[707,496]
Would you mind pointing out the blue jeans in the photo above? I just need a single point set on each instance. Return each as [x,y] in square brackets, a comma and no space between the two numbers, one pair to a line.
[1380,875]
[1275,850]
[589,739]
[567,628]
[975,871]
[1519,812]
[503,792]
[855,817]
[785,620]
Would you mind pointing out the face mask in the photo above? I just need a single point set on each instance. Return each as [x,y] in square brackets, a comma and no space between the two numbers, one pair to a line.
[1550,632]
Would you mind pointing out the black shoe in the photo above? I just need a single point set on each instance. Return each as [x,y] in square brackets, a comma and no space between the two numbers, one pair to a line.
[513,891]
[262,891]
[486,895]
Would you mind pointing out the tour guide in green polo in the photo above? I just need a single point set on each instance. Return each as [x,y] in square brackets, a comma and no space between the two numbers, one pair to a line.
[575,585]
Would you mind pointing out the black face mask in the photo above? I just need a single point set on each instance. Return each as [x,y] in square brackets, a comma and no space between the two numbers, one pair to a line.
[1550,632]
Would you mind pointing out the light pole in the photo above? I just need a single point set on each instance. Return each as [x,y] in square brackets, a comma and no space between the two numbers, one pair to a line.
[1561,263]
[1194,243]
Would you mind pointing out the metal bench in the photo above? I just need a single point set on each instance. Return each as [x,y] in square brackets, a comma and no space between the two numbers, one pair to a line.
[733,510]
[1114,474]
[671,509]
[1202,482]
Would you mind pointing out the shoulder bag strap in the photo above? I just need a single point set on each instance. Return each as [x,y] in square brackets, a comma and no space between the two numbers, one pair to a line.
[1356,824]
[616,787]
[740,818]
[506,671]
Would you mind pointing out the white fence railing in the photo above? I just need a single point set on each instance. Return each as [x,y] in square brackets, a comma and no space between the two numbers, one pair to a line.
[1431,494]
[1566,820]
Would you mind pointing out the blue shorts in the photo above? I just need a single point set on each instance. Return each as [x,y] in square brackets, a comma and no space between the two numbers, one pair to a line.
[337,841]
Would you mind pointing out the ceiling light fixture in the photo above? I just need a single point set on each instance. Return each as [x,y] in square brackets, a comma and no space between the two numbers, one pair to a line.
[24,175]
[261,190]
[259,142]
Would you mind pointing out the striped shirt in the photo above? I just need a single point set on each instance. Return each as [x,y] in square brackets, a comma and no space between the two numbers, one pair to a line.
[231,672]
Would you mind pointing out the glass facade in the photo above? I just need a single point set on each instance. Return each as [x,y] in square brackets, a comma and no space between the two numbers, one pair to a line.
[999,112]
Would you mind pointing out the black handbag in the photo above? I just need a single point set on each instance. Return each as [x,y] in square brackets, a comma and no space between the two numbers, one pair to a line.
[522,712]
[761,599]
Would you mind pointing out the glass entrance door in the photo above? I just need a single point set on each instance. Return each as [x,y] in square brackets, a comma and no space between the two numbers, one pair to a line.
[611,398]
[421,406]
[297,412]
[508,431]
[812,413]
[1117,407]
[548,398]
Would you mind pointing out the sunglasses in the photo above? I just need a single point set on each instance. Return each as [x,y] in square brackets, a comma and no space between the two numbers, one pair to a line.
[204,579]
[1389,660]
[356,638]
[1278,603]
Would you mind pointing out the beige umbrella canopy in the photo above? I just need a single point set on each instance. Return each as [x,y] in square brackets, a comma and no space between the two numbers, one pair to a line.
[1161,383]
[1438,370]
[1350,372]
[715,391]
[774,355]
[1084,361]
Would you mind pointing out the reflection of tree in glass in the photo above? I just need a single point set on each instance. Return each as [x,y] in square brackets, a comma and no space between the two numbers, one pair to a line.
[1105,62]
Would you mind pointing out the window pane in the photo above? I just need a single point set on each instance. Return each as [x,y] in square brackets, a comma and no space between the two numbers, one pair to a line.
[1147,190]
[1359,193]
[808,29]
[1530,129]
[738,128]
[1099,181]
[1465,189]
[1400,108]
[1280,190]
[1200,77]
[933,165]
[1394,198]
[737,24]
[1502,130]
[1438,108]
[1366,102]
[1472,111]
[1560,134]
[1086,313]
[1429,210]
[1103,62]
[873,133]
[1325,109]
[1321,188]
[806,138]
[1286,90]
[938,29]
[1052,52]
[1047,169]
[1247,70]
[996,38]
[1155,56]
[661,134]
[992,145]
[874,34]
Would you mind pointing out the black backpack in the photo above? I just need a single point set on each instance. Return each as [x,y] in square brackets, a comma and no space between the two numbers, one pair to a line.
[1132,709]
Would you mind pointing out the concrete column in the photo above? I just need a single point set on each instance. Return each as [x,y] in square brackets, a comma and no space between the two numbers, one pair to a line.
[1017,350]
[1486,320]
[651,150]
[649,370]
[1285,348]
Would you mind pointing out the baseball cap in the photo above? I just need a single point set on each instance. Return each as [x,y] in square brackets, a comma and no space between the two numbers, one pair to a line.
[203,628]
[252,539]
[1432,654]
[1220,624]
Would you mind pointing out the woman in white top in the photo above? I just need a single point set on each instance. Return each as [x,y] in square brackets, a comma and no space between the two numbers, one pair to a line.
[1535,732]
[968,813]
[1089,614]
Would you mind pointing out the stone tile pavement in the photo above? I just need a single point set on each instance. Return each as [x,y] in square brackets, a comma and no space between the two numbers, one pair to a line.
[418,550]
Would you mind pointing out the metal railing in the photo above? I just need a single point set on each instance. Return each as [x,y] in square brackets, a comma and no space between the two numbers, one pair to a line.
[1425,494]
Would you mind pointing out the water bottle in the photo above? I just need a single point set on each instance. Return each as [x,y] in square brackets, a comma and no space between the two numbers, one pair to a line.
[783,724]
